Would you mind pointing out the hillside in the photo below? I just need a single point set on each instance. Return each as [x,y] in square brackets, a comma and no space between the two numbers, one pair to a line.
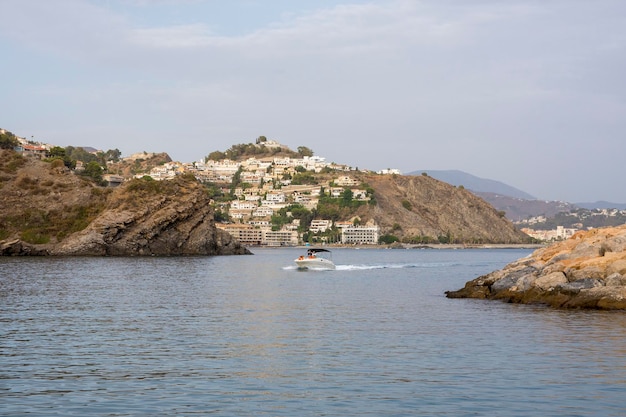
[138,164]
[44,202]
[47,209]
[421,206]
[516,204]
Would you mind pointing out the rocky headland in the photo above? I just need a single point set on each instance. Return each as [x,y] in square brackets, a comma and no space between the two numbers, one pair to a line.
[587,271]
[48,210]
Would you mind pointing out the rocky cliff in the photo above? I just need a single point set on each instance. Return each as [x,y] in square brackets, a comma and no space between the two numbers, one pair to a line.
[586,271]
[47,210]
[153,218]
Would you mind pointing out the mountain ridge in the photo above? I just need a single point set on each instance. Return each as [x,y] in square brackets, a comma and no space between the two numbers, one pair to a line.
[517,204]
[474,183]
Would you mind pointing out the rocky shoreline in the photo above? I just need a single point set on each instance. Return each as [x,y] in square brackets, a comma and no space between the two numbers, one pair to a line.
[587,271]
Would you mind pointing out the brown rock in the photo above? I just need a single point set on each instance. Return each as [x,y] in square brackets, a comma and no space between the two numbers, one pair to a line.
[584,272]
[549,281]
[176,222]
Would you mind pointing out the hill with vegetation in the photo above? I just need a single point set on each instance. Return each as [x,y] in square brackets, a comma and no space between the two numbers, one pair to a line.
[48,209]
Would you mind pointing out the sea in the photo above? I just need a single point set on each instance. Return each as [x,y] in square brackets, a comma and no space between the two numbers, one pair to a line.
[253,335]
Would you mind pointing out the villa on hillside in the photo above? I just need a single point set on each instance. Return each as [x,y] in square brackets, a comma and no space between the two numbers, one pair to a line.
[27,149]
[320,225]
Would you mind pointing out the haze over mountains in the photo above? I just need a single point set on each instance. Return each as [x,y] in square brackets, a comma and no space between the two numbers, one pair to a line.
[516,203]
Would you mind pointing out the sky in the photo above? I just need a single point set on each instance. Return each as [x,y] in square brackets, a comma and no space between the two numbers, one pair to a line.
[528,92]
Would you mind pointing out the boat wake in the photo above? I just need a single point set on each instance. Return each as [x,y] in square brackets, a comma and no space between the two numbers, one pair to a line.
[366,267]
[363,267]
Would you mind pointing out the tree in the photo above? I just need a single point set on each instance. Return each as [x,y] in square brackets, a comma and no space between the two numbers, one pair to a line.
[346,197]
[8,140]
[303,178]
[57,152]
[216,156]
[388,239]
[93,170]
[113,155]
[304,151]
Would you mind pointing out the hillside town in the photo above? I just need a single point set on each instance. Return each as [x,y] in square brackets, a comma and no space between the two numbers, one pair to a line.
[265,186]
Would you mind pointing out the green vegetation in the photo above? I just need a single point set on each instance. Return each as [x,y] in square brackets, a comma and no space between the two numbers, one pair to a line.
[419,240]
[340,208]
[388,239]
[257,149]
[59,153]
[248,150]
[294,211]
[304,151]
[8,140]
[94,171]
[10,161]
[80,154]
[39,226]
[140,189]
[302,178]
[407,205]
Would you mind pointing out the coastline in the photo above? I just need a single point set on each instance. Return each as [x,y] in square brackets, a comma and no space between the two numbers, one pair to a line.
[415,246]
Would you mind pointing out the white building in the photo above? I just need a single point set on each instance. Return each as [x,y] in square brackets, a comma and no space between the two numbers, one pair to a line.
[360,235]
[280,238]
[320,225]
[275,197]
[263,211]
[346,181]
[243,205]
[389,171]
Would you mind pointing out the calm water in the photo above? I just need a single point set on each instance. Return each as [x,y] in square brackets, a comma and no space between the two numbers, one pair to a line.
[250,335]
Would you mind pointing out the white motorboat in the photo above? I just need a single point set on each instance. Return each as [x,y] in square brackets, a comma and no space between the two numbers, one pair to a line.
[315,259]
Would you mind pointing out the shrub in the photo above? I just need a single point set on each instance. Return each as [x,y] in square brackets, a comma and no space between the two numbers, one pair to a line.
[35,236]
[387,239]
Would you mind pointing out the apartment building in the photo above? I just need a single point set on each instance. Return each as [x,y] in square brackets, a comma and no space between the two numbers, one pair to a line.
[360,235]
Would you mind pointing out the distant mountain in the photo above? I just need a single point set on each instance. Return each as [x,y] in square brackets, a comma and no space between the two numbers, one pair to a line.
[602,205]
[516,204]
[473,183]
[518,209]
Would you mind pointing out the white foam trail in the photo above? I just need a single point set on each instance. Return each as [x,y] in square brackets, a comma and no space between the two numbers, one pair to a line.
[365,267]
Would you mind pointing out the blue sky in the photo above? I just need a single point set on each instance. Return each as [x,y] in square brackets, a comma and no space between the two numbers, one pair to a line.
[528,92]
